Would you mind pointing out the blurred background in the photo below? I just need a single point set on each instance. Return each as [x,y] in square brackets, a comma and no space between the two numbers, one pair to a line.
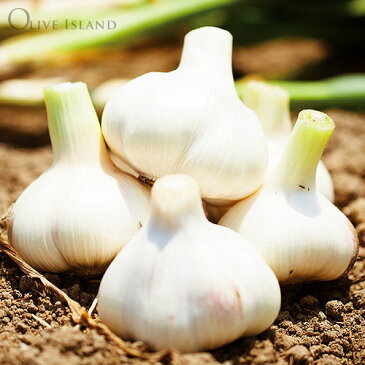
[98,41]
[312,48]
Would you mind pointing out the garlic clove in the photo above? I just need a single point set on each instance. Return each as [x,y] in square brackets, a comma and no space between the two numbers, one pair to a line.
[80,212]
[271,104]
[190,121]
[184,282]
[122,165]
[301,234]
[324,182]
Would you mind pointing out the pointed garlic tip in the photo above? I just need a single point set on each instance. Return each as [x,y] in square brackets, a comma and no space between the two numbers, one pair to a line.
[271,104]
[73,123]
[175,198]
[208,48]
[298,164]
[208,36]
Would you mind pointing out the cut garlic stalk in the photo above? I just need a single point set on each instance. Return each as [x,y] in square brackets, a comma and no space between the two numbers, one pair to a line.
[190,121]
[301,234]
[80,212]
[184,282]
[271,104]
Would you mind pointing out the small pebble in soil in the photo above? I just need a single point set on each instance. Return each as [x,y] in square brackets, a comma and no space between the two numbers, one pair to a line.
[334,309]
[328,361]
[329,336]
[358,298]
[309,301]
[298,355]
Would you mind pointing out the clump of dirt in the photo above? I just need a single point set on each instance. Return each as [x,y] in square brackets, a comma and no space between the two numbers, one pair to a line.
[67,344]
[26,312]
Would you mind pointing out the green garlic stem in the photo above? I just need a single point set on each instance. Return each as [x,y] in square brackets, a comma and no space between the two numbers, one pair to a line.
[298,164]
[73,124]
[346,91]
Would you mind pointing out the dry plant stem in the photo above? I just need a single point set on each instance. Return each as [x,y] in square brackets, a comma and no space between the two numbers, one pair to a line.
[360,279]
[41,321]
[103,330]
[93,306]
[79,314]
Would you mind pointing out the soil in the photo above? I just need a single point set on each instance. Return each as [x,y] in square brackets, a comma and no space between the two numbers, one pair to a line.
[319,323]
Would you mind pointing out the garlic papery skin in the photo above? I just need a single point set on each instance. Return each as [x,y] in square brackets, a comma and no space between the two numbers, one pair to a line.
[300,233]
[215,213]
[80,212]
[271,104]
[190,121]
[122,165]
[185,283]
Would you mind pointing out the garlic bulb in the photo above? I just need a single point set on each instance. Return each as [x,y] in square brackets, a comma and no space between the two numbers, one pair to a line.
[190,121]
[80,212]
[271,104]
[185,283]
[300,233]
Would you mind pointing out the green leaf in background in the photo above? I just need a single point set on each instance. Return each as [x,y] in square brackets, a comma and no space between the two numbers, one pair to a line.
[345,91]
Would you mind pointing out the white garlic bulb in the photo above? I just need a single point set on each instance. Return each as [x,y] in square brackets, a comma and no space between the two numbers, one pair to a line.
[185,283]
[190,121]
[80,212]
[300,233]
[271,104]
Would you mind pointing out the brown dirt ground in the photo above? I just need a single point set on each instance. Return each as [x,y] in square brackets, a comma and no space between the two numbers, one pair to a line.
[319,323]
